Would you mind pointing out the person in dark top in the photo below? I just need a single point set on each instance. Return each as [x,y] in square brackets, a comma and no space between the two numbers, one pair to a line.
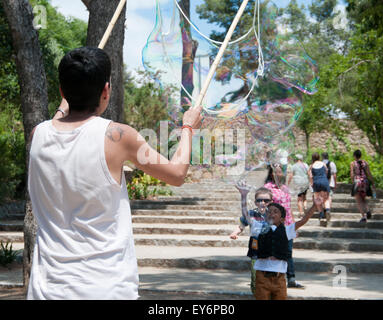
[319,183]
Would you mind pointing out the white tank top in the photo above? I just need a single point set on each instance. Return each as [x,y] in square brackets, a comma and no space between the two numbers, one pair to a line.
[84,244]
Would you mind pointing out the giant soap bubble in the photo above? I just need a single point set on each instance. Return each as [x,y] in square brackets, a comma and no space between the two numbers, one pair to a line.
[255,97]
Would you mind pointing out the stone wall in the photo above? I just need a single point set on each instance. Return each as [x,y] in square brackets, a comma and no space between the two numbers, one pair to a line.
[356,138]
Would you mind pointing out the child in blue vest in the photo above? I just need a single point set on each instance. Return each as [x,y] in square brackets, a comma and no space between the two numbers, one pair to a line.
[272,239]
[263,197]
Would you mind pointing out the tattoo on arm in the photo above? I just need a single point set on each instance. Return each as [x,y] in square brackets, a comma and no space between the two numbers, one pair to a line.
[114,133]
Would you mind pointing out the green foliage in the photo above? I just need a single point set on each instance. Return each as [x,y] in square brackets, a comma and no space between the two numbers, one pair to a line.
[142,186]
[12,151]
[145,101]
[343,161]
[7,254]
[9,87]
[60,36]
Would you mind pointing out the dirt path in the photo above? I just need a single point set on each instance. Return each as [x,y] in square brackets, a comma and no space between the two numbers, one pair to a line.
[20,293]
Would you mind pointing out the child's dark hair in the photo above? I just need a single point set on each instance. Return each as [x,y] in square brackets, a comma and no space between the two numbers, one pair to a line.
[83,73]
[315,157]
[278,206]
[357,154]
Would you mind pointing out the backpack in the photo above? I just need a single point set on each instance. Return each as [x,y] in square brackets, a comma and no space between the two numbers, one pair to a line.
[328,170]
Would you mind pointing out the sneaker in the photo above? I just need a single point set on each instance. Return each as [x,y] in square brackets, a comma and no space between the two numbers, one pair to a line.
[321,215]
[295,285]
[369,215]
[328,216]
[363,220]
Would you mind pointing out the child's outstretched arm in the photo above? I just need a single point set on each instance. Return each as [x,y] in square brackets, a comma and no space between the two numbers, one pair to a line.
[318,201]
[234,235]
[244,189]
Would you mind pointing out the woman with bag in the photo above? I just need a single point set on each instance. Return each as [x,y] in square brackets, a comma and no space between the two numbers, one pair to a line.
[362,183]
[320,185]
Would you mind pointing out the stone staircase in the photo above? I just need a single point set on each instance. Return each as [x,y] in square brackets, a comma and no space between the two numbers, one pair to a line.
[183,245]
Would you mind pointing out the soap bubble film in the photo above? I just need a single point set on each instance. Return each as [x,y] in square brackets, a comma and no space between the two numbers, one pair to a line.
[255,98]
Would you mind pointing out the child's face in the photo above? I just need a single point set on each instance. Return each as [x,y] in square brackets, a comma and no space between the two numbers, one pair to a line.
[261,201]
[278,171]
[274,216]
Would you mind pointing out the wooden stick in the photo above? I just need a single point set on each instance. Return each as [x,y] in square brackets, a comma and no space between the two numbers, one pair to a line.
[220,53]
[111,24]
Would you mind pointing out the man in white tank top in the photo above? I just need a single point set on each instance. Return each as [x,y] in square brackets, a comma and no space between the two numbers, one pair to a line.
[84,244]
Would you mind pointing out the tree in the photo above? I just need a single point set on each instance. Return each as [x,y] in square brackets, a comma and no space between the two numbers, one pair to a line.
[189,49]
[100,14]
[323,42]
[60,36]
[33,92]
[145,101]
[357,75]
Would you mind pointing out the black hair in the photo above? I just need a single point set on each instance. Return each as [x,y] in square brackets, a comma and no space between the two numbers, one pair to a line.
[270,176]
[325,155]
[278,206]
[357,154]
[83,73]
[315,157]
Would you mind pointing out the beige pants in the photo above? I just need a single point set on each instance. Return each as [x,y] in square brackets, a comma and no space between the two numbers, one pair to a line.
[270,287]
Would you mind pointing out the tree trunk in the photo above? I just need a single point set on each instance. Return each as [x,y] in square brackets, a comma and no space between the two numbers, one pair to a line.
[100,14]
[34,96]
[189,49]
[307,138]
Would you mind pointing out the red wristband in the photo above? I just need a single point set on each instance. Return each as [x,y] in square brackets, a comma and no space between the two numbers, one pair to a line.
[188,127]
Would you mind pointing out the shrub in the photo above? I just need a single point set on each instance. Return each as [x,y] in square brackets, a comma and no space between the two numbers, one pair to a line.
[141,186]
[343,161]
[7,254]
[12,151]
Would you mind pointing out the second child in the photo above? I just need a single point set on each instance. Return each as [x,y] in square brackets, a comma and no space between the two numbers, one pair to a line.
[272,250]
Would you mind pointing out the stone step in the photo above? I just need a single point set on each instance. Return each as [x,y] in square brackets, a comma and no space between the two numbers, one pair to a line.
[197,220]
[13,216]
[219,206]
[187,218]
[306,231]
[183,229]
[343,216]
[222,226]
[171,212]
[233,258]
[227,229]
[14,237]
[221,283]
[218,199]
[355,217]
[360,245]
[16,224]
[228,285]
[348,224]
[12,225]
